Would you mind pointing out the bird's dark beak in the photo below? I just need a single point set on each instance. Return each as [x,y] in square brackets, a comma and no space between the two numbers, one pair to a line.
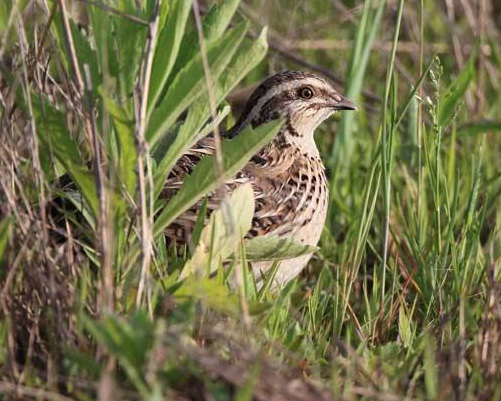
[345,104]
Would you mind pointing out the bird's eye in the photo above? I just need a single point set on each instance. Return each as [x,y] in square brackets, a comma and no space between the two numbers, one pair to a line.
[306,92]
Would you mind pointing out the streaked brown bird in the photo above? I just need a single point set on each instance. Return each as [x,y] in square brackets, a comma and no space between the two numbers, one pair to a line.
[287,175]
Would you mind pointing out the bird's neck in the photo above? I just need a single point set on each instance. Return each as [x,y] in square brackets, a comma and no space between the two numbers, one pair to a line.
[300,139]
[299,136]
[288,149]
[293,134]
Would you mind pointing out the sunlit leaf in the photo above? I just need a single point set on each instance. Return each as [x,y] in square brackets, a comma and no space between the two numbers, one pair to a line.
[212,293]
[124,128]
[167,48]
[450,101]
[275,248]
[220,238]
[404,327]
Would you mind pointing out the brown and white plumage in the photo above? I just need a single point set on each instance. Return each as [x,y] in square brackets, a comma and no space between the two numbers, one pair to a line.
[287,175]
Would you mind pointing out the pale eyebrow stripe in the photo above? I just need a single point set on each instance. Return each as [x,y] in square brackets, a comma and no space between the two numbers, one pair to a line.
[287,86]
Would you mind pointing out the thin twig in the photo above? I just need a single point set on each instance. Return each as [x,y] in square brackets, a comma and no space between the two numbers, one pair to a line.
[106,290]
[71,47]
[146,212]
[46,30]
[13,268]
[23,44]
[38,393]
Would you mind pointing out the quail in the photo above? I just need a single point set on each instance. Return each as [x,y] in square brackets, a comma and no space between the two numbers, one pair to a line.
[287,175]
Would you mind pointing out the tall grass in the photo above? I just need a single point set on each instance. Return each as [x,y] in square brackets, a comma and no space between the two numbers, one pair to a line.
[100,99]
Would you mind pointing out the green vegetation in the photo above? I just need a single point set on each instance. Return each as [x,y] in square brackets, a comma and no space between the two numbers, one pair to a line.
[98,102]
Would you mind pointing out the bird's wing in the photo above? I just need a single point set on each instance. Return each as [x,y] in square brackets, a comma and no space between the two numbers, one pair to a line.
[179,232]
[283,189]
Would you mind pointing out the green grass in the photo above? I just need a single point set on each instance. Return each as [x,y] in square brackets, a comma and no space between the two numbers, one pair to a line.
[401,301]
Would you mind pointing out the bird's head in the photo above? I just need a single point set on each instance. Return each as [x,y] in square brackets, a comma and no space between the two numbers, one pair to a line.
[302,99]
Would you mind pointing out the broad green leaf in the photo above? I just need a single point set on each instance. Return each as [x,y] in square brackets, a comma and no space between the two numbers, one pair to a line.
[104,42]
[449,102]
[257,308]
[100,28]
[128,340]
[243,61]
[58,34]
[213,25]
[167,48]
[219,239]
[218,19]
[275,248]
[236,153]
[83,178]
[55,135]
[189,83]
[124,127]
[5,10]
[210,292]
[129,40]
[479,127]
[123,158]
[148,7]
[165,7]
[184,138]
[86,55]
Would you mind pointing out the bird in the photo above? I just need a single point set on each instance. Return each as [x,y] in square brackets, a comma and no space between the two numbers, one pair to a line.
[287,175]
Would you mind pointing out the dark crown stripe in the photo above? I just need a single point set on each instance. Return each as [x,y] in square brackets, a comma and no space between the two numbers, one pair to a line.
[272,84]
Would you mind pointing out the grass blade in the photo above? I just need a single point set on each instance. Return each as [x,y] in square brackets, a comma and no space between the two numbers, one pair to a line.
[167,49]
